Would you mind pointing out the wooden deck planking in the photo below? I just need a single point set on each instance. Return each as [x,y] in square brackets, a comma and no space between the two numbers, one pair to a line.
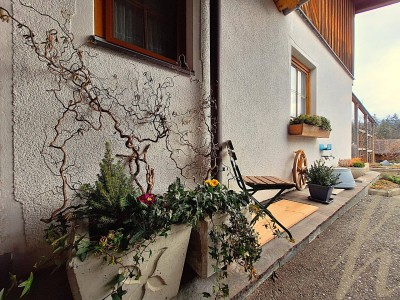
[288,213]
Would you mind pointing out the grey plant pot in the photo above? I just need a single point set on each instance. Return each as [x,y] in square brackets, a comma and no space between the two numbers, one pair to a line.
[320,193]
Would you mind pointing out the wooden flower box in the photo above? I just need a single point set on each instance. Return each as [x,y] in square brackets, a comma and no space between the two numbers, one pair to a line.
[308,131]
[198,256]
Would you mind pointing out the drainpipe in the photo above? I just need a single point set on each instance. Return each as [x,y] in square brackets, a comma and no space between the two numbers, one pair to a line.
[205,46]
[214,80]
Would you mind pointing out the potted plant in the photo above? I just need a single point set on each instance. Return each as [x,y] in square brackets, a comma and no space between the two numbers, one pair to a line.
[310,126]
[355,165]
[321,180]
[126,238]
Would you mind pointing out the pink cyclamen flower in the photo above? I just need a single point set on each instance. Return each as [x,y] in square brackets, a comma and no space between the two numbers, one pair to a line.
[147,199]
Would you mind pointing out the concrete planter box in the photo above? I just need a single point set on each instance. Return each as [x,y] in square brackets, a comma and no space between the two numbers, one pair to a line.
[308,131]
[358,172]
[161,272]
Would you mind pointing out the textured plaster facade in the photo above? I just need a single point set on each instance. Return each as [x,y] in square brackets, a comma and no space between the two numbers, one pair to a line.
[11,226]
[30,114]
[255,47]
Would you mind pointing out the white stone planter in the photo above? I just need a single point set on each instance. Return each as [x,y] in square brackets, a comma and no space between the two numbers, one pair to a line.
[358,172]
[345,177]
[161,273]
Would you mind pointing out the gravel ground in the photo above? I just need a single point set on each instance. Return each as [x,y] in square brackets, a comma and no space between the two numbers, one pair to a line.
[358,258]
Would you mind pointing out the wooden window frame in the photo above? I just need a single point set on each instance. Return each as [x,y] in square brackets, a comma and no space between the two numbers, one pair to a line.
[104,28]
[302,68]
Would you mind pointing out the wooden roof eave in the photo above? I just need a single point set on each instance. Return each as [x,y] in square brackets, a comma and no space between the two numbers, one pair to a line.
[367,5]
[287,6]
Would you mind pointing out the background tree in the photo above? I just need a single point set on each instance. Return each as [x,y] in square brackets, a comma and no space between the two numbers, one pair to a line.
[388,128]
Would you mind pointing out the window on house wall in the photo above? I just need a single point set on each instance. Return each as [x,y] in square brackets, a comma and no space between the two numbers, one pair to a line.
[155,28]
[300,88]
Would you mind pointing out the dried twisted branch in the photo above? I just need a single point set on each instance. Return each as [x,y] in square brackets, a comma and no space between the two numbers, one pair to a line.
[140,117]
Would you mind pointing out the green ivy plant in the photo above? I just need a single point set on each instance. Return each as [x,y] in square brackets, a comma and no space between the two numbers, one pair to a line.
[313,120]
[232,241]
[122,221]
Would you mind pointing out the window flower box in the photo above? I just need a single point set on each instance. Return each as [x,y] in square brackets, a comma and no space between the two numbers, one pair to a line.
[310,126]
[308,131]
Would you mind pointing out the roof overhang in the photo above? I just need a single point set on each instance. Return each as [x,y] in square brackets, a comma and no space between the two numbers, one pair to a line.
[366,5]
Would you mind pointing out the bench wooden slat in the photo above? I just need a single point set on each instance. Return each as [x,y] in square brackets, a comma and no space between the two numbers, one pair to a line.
[267,181]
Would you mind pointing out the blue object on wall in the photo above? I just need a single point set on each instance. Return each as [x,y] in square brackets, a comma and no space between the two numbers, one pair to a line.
[323,147]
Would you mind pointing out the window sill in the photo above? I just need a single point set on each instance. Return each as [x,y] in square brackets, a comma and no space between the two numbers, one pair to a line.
[98,41]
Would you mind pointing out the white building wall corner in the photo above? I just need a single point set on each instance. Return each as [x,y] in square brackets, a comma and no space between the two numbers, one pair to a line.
[256,47]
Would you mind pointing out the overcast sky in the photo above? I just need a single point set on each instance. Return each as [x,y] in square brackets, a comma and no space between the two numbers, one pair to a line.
[377,60]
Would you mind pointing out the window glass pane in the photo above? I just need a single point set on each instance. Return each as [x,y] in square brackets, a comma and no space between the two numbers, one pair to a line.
[302,105]
[129,22]
[148,24]
[293,78]
[161,34]
[298,85]
[303,86]
[293,104]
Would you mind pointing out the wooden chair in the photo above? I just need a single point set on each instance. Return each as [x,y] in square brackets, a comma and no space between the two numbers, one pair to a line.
[259,183]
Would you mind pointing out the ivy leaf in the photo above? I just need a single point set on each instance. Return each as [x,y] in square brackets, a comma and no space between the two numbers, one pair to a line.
[136,237]
[26,285]
[2,294]
[225,290]
[119,278]
[115,296]
[83,249]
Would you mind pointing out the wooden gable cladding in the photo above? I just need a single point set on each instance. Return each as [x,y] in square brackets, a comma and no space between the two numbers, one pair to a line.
[335,22]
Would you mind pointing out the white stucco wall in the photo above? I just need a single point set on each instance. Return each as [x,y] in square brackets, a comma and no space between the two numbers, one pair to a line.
[23,84]
[256,47]
[11,226]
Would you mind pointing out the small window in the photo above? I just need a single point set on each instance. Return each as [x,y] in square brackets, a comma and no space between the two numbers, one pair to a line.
[300,88]
[154,28]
